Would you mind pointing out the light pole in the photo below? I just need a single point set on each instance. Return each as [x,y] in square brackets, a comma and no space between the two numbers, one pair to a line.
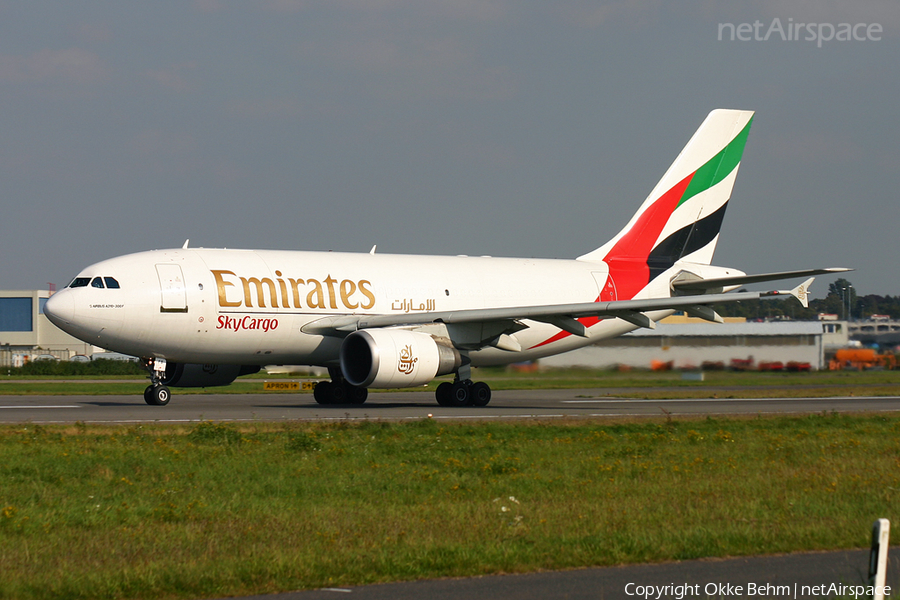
[849,305]
[844,302]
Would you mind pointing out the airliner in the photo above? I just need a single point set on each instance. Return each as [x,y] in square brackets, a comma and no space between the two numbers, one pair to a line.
[203,317]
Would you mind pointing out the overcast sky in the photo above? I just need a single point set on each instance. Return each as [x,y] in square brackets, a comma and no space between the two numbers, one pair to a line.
[501,127]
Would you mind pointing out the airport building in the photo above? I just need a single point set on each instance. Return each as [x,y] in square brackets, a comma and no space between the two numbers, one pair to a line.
[682,343]
[880,332]
[27,334]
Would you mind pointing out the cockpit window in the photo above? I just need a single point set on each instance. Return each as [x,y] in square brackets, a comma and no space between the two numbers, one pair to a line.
[97,282]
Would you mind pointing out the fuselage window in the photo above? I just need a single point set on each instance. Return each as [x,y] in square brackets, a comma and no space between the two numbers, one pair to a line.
[97,282]
[111,283]
[80,282]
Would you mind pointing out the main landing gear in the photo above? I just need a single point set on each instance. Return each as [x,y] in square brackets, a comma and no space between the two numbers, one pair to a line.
[156,393]
[339,391]
[463,392]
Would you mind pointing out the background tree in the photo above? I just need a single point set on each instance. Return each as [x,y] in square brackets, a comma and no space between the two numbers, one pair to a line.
[835,302]
[843,291]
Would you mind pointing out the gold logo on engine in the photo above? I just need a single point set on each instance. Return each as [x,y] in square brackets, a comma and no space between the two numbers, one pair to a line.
[407,362]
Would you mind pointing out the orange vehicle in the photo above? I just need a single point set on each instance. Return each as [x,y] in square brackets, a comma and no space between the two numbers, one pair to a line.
[861,359]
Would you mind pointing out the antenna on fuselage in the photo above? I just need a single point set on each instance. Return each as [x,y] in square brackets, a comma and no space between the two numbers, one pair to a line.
[372,251]
[186,244]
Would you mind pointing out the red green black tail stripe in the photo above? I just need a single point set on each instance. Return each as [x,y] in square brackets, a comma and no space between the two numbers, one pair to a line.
[636,258]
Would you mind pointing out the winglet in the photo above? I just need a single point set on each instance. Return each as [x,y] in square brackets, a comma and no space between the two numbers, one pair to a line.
[801,292]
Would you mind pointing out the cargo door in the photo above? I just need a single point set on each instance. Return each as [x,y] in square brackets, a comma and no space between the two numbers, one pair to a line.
[171,285]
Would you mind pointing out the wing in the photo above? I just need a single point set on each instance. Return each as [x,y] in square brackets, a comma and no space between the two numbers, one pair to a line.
[564,316]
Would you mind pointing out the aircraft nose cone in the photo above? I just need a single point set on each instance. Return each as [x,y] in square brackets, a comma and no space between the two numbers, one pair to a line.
[60,308]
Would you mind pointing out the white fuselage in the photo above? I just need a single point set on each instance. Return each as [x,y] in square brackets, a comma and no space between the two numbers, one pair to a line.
[249,306]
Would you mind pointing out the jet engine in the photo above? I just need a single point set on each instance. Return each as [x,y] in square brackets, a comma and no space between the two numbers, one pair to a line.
[194,375]
[386,358]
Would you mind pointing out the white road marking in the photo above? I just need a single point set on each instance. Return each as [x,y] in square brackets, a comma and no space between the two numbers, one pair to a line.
[666,400]
[42,406]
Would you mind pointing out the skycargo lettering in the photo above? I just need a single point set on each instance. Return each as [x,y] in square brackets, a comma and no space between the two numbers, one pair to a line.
[247,323]
[292,293]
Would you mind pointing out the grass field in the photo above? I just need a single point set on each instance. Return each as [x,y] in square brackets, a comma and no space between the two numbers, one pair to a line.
[214,509]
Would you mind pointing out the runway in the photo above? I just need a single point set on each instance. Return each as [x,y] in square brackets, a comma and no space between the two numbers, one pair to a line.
[799,575]
[510,405]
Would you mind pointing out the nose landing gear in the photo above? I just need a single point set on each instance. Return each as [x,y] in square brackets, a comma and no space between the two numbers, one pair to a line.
[156,393]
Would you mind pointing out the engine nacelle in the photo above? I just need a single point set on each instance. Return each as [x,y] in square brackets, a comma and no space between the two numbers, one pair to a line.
[193,375]
[387,358]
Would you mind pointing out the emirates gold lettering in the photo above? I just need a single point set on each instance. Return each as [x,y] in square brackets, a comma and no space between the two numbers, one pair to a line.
[260,298]
[319,301]
[364,288]
[330,281]
[221,284]
[286,292]
[348,288]
[295,288]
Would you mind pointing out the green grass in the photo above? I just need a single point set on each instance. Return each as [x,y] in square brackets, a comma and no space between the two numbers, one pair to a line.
[215,510]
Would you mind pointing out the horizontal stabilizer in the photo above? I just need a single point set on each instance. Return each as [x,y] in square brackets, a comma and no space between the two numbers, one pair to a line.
[701,285]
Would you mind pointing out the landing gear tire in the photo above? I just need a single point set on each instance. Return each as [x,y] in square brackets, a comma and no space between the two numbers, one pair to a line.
[329,392]
[463,393]
[356,395]
[337,393]
[479,394]
[322,392]
[459,394]
[443,392]
[157,395]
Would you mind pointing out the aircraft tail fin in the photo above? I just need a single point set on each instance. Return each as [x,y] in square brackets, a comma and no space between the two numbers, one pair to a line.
[681,218]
